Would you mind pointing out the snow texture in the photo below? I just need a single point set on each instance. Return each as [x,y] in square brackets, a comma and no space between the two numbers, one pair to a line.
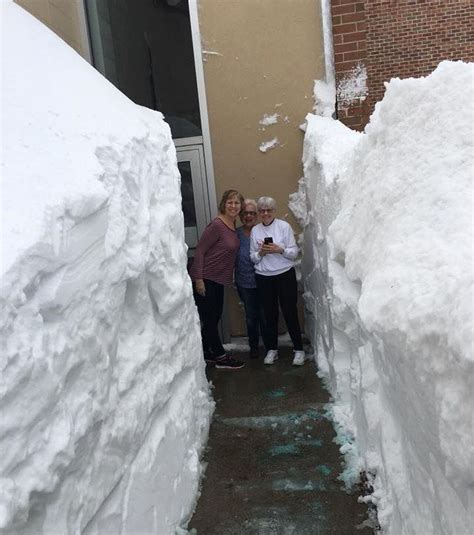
[104,401]
[388,272]
[352,87]
[268,145]
[324,96]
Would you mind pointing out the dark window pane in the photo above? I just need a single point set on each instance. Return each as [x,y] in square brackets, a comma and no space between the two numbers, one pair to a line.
[187,194]
[144,47]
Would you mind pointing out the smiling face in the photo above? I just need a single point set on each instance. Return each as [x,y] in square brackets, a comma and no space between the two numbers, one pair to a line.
[232,206]
[248,216]
[267,215]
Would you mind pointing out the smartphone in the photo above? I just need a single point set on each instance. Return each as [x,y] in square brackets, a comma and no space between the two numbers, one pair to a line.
[267,240]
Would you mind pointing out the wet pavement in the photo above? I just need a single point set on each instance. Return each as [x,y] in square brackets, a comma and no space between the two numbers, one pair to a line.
[272,463]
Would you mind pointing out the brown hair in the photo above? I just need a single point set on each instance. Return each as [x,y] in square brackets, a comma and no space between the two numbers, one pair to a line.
[227,195]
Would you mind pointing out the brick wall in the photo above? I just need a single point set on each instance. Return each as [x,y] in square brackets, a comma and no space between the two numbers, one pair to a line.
[382,39]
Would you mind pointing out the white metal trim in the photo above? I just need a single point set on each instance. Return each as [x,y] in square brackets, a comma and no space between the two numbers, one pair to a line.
[185,141]
[207,206]
[201,87]
[84,30]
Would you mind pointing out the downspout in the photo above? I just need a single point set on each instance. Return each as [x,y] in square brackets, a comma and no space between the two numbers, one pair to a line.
[328,44]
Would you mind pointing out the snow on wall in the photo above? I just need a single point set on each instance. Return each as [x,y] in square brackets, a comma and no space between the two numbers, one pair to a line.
[104,401]
[388,270]
[353,87]
[269,145]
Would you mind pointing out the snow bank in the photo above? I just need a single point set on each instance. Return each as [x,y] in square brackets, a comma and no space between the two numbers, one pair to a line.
[388,270]
[104,402]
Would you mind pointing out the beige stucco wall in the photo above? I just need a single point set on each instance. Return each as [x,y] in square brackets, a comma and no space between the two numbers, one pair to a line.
[260,57]
[64,17]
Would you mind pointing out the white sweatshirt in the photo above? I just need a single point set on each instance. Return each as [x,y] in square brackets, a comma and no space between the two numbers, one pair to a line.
[282,234]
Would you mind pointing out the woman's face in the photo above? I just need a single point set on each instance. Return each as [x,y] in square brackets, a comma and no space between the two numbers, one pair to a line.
[232,206]
[267,215]
[248,216]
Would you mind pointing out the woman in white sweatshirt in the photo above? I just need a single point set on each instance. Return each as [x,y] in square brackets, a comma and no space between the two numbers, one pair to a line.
[273,250]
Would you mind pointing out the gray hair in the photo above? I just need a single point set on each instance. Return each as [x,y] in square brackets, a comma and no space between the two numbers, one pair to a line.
[250,201]
[266,202]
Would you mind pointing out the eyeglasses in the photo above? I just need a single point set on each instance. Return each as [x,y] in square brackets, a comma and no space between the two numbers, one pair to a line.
[249,213]
[265,210]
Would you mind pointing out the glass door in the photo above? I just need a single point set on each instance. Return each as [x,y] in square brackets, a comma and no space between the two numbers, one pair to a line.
[193,193]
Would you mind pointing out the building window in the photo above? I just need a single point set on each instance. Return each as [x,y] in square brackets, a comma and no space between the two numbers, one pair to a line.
[145,49]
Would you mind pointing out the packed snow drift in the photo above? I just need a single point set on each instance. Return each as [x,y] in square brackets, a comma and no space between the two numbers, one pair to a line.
[104,401]
[388,271]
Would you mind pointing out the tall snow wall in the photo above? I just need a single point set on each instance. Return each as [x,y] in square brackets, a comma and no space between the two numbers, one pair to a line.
[388,274]
[104,402]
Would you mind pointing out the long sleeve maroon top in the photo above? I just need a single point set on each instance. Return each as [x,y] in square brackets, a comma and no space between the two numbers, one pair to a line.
[215,253]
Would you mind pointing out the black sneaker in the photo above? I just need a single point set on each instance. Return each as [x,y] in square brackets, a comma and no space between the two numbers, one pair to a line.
[254,354]
[209,358]
[228,363]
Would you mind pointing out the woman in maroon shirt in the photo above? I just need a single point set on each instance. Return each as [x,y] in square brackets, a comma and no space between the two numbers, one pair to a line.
[212,269]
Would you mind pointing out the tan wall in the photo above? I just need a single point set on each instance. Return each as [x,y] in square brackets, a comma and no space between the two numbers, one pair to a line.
[262,58]
[63,17]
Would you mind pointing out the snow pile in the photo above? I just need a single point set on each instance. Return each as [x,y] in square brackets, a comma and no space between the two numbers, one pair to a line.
[388,270]
[324,96]
[104,402]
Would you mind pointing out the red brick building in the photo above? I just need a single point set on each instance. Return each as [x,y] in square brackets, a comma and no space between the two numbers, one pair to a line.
[376,40]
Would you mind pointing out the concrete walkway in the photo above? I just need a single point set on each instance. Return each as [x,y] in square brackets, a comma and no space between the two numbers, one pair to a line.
[272,463]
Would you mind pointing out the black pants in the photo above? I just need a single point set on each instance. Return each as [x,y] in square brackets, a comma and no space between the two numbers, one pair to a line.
[210,311]
[281,289]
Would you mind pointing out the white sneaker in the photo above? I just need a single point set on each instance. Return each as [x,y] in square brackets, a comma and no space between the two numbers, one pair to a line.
[299,359]
[272,355]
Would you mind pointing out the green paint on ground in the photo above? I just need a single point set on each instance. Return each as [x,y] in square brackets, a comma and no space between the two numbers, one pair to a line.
[315,442]
[276,394]
[284,449]
[324,470]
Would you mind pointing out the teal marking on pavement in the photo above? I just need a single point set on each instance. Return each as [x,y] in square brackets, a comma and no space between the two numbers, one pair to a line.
[311,442]
[324,470]
[279,393]
[284,449]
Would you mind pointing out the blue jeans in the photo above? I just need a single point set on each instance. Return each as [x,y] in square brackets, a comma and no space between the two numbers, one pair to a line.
[254,316]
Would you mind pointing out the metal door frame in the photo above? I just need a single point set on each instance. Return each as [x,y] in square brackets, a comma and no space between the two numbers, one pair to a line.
[195,155]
